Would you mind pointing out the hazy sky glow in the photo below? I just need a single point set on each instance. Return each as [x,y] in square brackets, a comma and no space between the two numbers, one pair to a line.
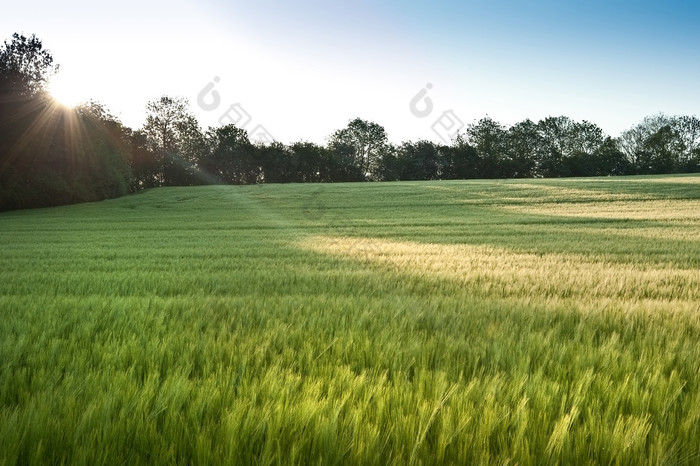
[304,68]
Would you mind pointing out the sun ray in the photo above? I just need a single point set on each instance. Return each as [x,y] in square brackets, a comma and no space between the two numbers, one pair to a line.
[50,120]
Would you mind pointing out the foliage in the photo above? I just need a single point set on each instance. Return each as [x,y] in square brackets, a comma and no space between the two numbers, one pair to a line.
[175,139]
[25,67]
[662,144]
[364,141]
[51,155]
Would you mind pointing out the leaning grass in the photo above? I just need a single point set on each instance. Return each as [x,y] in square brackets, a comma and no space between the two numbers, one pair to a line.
[408,323]
[488,271]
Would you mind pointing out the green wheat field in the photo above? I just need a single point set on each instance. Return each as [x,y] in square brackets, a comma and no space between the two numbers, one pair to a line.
[509,322]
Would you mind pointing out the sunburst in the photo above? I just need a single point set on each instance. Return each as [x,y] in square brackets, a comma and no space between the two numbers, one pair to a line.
[66,91]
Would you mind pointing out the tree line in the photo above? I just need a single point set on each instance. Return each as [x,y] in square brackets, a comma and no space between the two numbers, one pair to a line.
[52,155]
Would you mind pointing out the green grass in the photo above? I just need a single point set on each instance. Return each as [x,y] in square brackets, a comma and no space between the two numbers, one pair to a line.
[481,322]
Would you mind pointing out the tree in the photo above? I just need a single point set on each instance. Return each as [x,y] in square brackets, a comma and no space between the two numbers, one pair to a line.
[231,157]
[108,151]
[174,135]
[420,161]
[25,66]
[460,160]
[688,128]
[585,140]
[663,144]
[524,145]
[314,163]
[610,160]
[660,151]
[364,141]
[278,163]
[344,165]
[389,166]
[631,142]
[694,163]
[489,138]
[51,155]
[143,162]
[26,116]
[556,134]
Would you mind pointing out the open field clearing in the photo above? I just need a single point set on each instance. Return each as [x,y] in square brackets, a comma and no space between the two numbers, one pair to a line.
[463,322]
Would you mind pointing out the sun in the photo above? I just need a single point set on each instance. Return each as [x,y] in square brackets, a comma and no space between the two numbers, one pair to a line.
[66,92]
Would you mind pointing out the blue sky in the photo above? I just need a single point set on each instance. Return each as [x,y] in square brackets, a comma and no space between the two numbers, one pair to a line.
[301,69]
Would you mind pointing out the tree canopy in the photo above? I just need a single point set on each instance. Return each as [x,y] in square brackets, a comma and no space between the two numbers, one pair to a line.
[51,155]
[25,66]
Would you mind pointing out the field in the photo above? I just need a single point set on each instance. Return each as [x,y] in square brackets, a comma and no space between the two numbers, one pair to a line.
[468,322]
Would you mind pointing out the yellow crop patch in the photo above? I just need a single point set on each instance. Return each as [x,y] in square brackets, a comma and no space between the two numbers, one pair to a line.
[667,210]
[502,273]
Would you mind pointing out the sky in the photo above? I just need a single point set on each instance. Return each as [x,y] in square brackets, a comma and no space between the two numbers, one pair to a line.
[300,69]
